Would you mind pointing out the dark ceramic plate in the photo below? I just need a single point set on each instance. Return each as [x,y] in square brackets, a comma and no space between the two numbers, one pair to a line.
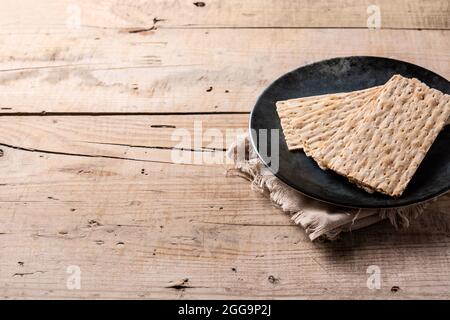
[339,75]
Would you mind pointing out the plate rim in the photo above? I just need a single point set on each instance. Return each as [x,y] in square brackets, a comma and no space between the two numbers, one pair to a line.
[325,200]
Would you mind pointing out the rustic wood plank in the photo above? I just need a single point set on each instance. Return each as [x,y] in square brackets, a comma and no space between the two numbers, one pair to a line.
[430,14]
[196,139]
[135,228]
[102,193]
[95,71]
[134,234]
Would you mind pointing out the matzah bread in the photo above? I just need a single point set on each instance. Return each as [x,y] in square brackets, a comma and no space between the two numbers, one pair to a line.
[382,145]
[312,129]
[316,110]
[315,143]
[290,109]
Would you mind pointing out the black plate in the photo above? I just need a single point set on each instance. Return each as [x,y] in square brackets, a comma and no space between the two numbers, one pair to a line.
[339,75]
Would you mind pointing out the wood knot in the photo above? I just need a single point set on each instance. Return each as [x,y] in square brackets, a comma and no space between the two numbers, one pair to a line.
[273,280]
[179,284]
[395,289]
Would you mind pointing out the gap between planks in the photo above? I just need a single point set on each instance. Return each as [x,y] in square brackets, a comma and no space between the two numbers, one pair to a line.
[76,114]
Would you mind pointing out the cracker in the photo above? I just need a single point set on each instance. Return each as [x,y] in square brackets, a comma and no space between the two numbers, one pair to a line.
[312,129]
[314,110]
[315,141]
[382,145]
[289,109]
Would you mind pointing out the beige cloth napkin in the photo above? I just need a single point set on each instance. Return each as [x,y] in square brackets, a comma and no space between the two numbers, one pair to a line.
[319,220]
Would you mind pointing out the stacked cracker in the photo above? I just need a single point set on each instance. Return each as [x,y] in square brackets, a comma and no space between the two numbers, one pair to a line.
[376,137]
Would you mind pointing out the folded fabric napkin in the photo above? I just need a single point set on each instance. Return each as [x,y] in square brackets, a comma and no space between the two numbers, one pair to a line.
[319,220]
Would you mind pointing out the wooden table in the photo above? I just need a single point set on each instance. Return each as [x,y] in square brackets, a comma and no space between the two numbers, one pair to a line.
[91,95]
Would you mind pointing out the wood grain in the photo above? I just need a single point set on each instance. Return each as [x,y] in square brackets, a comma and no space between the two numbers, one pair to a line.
[199,139]
[406,14]
[189,222]
[104,71]
[89,117]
